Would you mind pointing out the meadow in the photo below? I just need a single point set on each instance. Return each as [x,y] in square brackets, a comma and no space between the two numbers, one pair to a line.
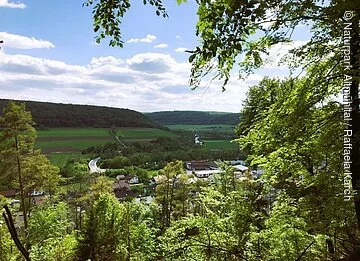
[60,159]
[220,144]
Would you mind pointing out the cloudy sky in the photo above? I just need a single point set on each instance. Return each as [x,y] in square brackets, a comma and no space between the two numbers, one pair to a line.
[49,54]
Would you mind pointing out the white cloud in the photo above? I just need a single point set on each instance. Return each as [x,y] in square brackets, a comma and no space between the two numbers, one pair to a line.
[6,3]
[278,52]
[107,60]
[178,37]
[151,62]
[163,45]
[143,82]
[23,42]
[149,38]
[180,49]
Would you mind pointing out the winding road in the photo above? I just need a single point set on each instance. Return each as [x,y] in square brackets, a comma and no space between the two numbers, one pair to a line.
[93,167]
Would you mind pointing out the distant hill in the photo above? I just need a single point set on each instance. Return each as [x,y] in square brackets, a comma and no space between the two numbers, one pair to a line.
[194,117]
[54,115]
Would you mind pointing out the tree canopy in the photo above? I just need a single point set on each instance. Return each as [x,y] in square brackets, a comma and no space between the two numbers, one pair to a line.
[240,33]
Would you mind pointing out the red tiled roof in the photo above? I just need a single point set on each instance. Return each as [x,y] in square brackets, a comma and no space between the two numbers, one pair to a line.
[8,193]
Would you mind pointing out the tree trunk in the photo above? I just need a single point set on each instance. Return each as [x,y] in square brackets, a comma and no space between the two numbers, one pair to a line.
[22,194]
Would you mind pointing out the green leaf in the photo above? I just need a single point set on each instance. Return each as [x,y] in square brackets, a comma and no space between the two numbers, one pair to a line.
[192,57]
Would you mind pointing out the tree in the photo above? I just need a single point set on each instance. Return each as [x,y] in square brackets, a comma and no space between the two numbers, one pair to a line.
[49,228]
[259,98]
[115,231]
[39,175]
[17,143]
[7,245]
[183,193]
[165,189]
[49,221]
[102,233]
[297,141]
[248,29]
[225,180]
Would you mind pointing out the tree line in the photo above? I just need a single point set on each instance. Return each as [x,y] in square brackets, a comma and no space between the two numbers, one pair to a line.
[55,115]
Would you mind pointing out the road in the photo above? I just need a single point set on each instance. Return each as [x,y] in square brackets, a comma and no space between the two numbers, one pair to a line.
[93,167]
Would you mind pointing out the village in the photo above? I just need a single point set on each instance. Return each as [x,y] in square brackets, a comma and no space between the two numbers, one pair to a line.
[128,186]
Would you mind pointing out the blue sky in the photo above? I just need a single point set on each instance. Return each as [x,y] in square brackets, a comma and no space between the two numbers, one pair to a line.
[49,54]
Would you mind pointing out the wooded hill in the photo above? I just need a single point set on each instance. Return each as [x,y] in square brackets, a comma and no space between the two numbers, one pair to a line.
[194,117]
[54,115]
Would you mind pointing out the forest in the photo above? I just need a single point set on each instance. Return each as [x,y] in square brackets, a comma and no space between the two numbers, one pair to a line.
[303,207]
[53,115]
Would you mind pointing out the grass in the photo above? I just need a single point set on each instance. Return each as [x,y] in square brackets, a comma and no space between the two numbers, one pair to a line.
[220,144]
[153,173]
[60,159]
[216,127]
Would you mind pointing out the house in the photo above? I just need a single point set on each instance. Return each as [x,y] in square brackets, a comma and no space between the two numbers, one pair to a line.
[240,168]
[132,179]
[237,162]
[122,184]
[122,190]
[197,139]
[122,194]
[9,193]
[120,177]
[35,193]
[257,173]
[205,173]
[146,200]
[200,165]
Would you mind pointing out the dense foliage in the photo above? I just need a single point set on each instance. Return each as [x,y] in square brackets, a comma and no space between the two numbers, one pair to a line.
[52,115]
[155,154]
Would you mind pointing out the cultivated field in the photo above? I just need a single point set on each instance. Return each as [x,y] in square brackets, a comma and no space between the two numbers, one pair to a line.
[217,127]
[60,140]
[143,133]
[60,144]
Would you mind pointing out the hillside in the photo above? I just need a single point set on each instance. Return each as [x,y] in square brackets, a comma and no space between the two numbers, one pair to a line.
[194,117]
[54,115]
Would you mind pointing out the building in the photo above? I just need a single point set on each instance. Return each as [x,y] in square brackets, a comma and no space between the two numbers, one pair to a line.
[205,173]
[200,165]
[197,139]
[132,179]
[236,162]
[9,193]
[240,168]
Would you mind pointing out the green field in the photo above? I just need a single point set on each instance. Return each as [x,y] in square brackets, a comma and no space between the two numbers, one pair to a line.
[218,127]
[220,144]
[73,132]
[143,133]
[61,143]
[60,159]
